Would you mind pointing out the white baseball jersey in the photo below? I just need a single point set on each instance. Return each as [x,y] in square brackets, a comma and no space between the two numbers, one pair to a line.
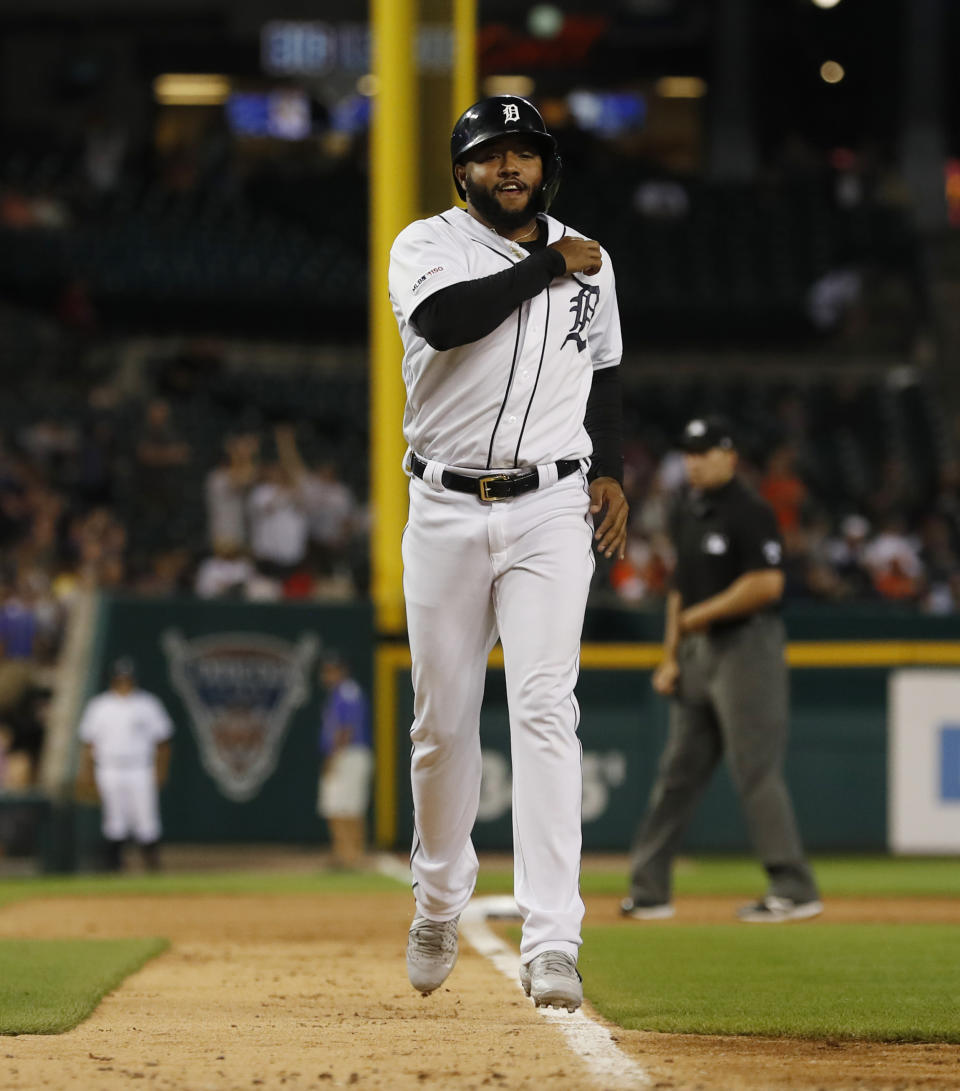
[517,396]
[517,570]
[124,730]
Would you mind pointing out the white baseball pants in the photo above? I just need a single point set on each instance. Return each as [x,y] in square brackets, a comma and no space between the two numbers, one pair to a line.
[129,803]
[519,569]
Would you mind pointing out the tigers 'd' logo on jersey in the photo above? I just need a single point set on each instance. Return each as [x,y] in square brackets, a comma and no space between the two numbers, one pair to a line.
[240,690]
[583,306]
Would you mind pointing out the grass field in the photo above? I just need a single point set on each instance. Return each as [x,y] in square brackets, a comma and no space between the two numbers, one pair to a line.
[48,986]
[239,882]
[839,876]
[895,983]
[885,982]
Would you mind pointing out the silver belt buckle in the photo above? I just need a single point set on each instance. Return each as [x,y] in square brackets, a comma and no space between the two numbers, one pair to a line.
[485,485]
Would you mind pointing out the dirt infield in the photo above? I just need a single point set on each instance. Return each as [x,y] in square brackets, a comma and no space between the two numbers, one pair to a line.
[302,991]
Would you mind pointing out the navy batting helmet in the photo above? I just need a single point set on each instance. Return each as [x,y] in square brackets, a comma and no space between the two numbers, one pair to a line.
[506,115]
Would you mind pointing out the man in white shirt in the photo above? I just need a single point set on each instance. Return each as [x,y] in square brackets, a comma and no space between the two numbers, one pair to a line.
[126,735]
[279,528]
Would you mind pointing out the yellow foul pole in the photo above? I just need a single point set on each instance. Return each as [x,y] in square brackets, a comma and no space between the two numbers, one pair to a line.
[393,204]
[463,86]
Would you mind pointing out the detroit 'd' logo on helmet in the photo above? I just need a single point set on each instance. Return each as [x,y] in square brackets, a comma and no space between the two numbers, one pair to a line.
[240,690]
[511,112]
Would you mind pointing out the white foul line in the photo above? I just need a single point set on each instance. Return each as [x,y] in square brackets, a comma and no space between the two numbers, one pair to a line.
[587,1038]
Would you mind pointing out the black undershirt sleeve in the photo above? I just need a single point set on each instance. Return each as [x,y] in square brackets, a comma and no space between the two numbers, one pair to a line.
[470,310]
[604,424]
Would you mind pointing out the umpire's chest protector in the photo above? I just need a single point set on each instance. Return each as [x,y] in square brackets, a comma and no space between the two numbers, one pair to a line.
[517,396]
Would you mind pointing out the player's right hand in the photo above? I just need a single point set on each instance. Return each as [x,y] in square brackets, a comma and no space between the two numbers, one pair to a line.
[581,255]
[665,677]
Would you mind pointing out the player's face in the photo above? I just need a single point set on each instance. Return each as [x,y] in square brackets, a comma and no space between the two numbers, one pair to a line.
[710,469]
[503,180]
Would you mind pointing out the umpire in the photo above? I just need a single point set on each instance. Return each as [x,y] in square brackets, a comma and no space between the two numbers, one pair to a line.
[724,668]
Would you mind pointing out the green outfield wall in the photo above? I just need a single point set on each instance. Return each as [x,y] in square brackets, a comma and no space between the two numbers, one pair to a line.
[240,681]
[836,765]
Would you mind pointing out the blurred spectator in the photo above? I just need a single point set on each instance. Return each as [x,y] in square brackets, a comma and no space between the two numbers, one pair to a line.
[98,541]
[161,457]
[226,574]
[22,723]
[21,212]
[15,210]
[670,474]
[782,487]
[24,727]
[832,297]
[328,503]
[105,143]
[166,573]
[644,571]
[160,449]
[894,494]
[14,510]
[844,556]
[947,500]
[51,443]
[661,199]
[893,560]
[940,563]
[279,528]
[95,467]
[227,488]
[18,622]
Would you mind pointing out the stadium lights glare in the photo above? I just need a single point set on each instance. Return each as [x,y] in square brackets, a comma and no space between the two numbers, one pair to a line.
[831,72]
[680,87]
[191,89]
[825,4]
[545,21]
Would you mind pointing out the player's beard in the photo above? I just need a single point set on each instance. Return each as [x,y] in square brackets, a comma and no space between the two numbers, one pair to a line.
[500,218]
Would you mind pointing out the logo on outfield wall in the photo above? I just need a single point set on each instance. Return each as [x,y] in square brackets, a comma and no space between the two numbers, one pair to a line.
[240,690]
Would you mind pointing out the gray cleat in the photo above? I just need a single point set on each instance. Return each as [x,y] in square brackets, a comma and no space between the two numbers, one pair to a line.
[554,981]
[525,977]
[431,952]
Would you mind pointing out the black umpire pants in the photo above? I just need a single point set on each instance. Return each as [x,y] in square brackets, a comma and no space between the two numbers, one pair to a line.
[732,700]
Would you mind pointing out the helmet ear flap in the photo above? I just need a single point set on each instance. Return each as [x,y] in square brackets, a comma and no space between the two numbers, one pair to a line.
[461,192]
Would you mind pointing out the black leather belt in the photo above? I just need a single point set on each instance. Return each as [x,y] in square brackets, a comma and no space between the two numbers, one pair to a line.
[494,486]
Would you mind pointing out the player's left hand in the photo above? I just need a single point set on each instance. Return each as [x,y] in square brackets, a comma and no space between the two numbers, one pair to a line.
[606,496]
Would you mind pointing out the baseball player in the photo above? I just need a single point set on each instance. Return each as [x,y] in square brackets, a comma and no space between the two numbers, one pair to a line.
[724,668]
[126,733]
[347,762]
[511,338]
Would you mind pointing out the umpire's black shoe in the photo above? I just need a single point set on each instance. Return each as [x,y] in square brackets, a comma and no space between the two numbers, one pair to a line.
[774,910]
[646,911]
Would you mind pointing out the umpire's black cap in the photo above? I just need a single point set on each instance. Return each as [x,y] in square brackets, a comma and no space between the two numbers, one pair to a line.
[704,433]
